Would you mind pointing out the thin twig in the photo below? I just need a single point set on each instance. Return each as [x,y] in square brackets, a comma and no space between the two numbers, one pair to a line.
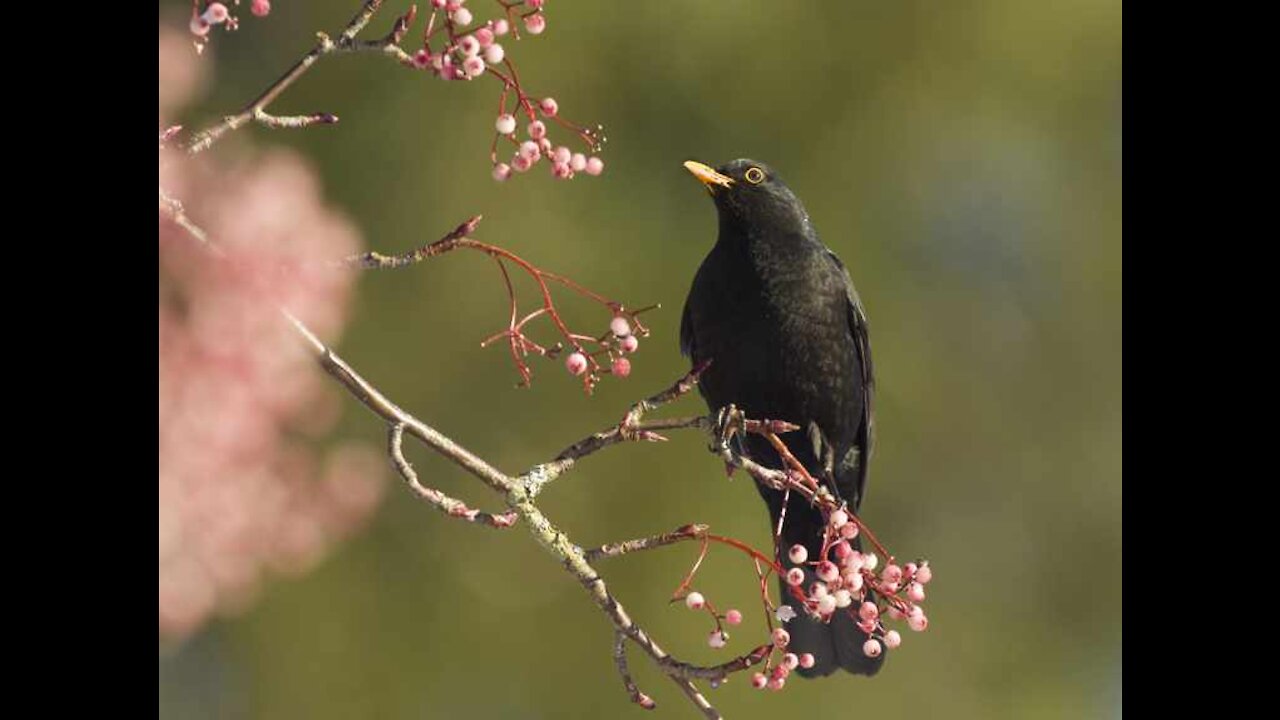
[687,532]
[445,504]
[620,660]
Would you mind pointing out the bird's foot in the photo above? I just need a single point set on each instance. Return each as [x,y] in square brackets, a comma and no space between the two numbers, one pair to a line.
[730,423]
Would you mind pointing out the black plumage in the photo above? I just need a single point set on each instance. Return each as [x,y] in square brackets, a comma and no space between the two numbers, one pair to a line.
[777,314]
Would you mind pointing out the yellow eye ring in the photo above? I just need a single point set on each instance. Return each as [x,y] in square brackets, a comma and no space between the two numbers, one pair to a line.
[755,176]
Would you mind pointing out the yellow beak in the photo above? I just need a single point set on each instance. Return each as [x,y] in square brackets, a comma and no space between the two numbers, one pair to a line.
[707,176]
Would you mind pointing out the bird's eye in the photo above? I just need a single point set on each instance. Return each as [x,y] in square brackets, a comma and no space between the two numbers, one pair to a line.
[755,176]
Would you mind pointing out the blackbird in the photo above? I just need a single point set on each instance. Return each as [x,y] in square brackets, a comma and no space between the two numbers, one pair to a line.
[775,312]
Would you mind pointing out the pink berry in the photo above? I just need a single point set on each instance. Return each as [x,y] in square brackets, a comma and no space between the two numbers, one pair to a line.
[918,622]
[868,611]
[439,4]
[562,156]
[807,660]
[549,107]
[537,130]
[790,661]
[853,582]
[717,639]
[535,4]
[849,531]
[484,36]
[844,598]
[777,683]
[501,27]
[841,550]
[889,587]
[422,59]
[216,13]
[473,66]
[795,576]
[561,171]
[595,166]
[781,638]
[871,648]
[261,7]
[798,554]
[869,561]
[578,162]
[576,363]
[535,23]
[828,571]
[618,325]
[694,600]
[853,561]
[469,45]
[545,145]
[199,26]
[501,172]
[915,591]
[506,124]
[621,367]
[461,16]
[529,150]
[891,573]
[896,614]
[645,702]
[758,681]
[892,639]
[839,519]
[629,343]
[817,591]
[452,5]
[520,163]
[924,575]
[867,626]
[494,54]
[827,604]
[733,617]
[909,570]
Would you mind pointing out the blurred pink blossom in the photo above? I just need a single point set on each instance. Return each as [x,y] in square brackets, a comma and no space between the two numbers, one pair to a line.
[243,488]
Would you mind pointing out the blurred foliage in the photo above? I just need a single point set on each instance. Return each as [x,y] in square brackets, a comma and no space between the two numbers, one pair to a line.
[963,158]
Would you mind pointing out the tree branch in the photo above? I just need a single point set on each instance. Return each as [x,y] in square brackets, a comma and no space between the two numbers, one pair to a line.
[255,111]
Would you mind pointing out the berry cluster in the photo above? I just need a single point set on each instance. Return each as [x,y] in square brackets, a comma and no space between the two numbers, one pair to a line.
[216,13]
[847,581]
[614,345]
[468,54]
[455,46]
[717,638]
[841,578]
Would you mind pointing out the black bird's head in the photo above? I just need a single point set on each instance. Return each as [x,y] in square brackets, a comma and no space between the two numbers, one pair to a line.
[751,198]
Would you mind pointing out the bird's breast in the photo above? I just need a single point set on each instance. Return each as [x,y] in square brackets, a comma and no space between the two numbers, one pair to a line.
[776,330]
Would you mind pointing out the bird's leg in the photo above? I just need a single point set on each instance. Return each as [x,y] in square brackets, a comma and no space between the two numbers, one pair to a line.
[826,454]
[729,427]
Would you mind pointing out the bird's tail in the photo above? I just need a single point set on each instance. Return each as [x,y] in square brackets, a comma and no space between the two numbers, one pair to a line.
[834,644]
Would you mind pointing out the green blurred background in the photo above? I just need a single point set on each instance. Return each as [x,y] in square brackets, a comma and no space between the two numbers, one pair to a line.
[963,158]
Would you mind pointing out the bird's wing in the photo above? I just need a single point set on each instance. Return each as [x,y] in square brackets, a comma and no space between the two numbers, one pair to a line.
[686,330]
[866,432]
